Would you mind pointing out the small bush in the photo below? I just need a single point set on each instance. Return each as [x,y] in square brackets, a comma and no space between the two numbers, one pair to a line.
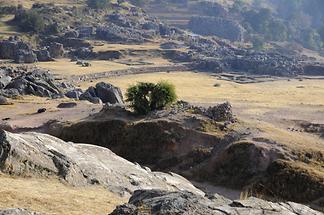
[30,21]
[98,4]
[146,97]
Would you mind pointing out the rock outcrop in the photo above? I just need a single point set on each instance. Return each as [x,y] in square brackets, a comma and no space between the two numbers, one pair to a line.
[17,50]
[33,81]
[202,144]
[217,26]
[103,92]
[36,82]
[17,211]
[33,154]
[164,203]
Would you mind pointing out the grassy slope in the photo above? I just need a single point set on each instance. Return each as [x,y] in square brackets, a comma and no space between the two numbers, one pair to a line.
[49,196]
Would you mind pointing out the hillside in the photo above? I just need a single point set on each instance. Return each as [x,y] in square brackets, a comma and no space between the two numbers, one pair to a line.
[248,121]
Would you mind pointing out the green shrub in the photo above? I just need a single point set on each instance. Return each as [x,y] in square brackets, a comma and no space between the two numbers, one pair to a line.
[146,97]
[98,4]
[30,21]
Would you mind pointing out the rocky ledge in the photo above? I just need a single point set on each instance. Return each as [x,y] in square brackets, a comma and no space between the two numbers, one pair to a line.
[33,154]
[163,203]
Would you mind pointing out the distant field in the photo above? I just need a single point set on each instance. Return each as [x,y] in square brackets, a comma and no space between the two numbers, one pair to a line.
[50,196]
[64,67]
[5,29]
[29,3]
[272,107]
[199,88]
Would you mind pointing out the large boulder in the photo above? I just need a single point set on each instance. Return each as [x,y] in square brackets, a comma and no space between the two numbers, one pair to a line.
[43,55]
[217,26]
[109,93]
[4,81]
[34,154]
[56,50]
[115,33]
[17,50]
[165,203]
[3,100]
[25,56]
[104,92]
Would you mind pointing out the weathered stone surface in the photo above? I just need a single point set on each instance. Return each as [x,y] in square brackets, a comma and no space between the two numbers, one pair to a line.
[74,94]
[43,55]
[115,33]
[220,112]
[17,211]
[164,203]
[217,26]
[4,81]
[36,82]
[17,50]
[33,154]
[104,92]
[67,105]
[56,50]
[109,93]
[3,100]
[25,56]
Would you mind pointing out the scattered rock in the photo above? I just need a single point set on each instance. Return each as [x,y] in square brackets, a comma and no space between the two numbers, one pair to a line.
[41,110]
[67,105]
[74,94]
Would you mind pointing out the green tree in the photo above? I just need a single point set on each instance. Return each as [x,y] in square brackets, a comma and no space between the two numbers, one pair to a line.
[163,94]
[145,97]
[30,21]
[258,42]
[321,33]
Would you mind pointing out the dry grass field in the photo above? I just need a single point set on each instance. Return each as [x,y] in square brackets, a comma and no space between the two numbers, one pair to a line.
[199,88]
[271,107]
[29,3]
[118,47]
[50,196]
[5,29]
[64,67]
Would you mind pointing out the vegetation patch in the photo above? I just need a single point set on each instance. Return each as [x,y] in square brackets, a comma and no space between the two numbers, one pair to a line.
[145,97]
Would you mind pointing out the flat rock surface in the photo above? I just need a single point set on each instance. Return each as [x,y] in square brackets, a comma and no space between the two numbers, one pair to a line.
[33,154]
[163,203]
[17,211]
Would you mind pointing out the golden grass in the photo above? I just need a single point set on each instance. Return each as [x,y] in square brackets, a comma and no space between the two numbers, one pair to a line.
[65,67]
[199,88]
[29,3]
[118,47]
[50,196]
[5,29]
[266,106]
